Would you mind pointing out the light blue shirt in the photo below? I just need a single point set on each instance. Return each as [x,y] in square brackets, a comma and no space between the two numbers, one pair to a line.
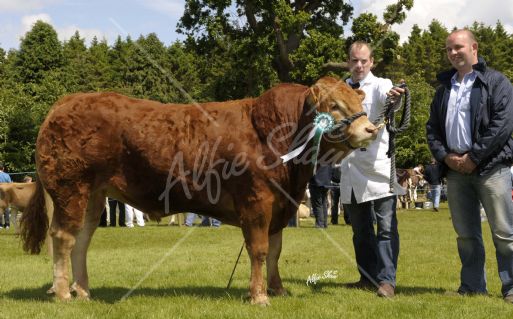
[458,122]
[5,178]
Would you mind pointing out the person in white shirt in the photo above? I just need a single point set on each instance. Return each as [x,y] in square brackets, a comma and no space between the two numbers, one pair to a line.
[364,187]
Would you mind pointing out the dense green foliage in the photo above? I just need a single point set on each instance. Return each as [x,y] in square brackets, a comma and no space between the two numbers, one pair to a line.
[227,55]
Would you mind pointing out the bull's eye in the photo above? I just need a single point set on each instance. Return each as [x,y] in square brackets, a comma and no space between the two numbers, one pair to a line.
[333,106]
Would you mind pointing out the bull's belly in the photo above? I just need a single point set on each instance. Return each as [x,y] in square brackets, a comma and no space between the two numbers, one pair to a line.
[160,204]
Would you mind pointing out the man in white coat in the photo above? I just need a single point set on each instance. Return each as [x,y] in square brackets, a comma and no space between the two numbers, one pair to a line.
[364,184]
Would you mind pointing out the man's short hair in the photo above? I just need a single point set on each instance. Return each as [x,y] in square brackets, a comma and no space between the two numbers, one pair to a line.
[470,34]
[359,45]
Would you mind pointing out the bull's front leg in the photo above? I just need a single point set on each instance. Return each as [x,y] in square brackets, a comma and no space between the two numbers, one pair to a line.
[257,244]
[274,284]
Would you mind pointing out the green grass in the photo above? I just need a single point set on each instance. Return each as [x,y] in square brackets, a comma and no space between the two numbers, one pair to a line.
[189,280]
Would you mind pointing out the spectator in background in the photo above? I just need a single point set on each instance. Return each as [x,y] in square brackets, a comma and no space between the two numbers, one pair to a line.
[27,179]
[205,220]
[335,194]
[433,175]
[419,170]
[129,216]
[5,178]
[112,206]
[318,187]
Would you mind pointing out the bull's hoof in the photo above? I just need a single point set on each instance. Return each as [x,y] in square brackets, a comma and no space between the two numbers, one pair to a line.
[277,292]
[80,292]
[50,291]
[261,300]
[63,297]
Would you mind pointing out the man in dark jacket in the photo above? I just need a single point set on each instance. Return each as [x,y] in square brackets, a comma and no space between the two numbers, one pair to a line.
[433,175]
[469,131]
[318,186]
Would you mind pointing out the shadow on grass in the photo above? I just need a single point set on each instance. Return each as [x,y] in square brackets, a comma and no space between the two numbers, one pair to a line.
[400,289]
[113,295]
[34,294]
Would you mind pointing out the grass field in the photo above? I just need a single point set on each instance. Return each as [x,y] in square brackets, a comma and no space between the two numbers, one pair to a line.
[177,272]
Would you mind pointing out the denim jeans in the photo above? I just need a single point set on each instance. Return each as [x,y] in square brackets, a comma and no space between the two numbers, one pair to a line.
[493,190]
[376,254]
[205,220]
[190,218]
[319,201]
[209,221]
[435,191]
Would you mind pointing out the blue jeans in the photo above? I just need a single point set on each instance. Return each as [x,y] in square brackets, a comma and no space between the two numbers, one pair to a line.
[464,193]
[205,220]
[190,218]
[435,191]
[376,254]
[209,221]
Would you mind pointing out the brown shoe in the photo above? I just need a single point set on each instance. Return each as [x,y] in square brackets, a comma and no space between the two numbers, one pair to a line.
[361,284]
[386,290]
[509,298]
[435,209]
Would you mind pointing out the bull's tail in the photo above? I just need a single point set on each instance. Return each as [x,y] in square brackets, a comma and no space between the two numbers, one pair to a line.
[34,221]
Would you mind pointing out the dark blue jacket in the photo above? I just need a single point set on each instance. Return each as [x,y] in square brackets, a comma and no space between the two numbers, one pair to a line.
[433,174]
[322,177]
[491,103]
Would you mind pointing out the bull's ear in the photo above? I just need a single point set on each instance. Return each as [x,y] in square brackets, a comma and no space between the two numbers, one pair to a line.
[360,93]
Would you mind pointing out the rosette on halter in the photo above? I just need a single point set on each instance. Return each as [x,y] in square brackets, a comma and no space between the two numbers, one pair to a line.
[323,123]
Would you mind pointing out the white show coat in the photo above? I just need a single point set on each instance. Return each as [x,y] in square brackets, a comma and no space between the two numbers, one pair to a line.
[368,172]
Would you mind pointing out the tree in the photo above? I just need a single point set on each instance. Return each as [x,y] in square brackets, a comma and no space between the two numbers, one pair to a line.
[286,23]
[119,57]
[424,52]
[17,129]
[495,46]
[40,52]
[97,66]
[411,145]
[74,72]
[148,69]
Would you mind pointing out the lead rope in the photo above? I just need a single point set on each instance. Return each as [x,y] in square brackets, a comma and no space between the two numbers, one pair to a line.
[388,116]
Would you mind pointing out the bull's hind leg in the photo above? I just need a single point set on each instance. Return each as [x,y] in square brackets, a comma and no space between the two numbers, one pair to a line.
[63,242]
[83,239]
[274,284]
[69,210]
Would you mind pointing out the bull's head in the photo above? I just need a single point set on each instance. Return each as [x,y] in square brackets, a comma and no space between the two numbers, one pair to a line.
[352,129]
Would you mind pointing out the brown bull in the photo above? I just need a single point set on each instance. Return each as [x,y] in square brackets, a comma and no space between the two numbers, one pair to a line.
[17,196]
[217,159]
